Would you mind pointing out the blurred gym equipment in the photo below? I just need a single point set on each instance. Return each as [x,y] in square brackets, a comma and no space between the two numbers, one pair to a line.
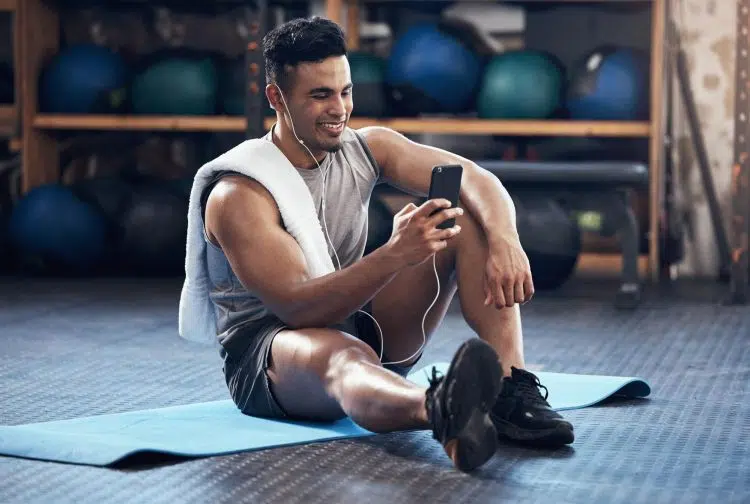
[176,84]
[610,83]
[521,85]
[52,230]
[83,79]
[368,77]
[431,71]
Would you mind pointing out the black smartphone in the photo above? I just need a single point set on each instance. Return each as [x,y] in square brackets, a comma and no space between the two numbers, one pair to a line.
[446,184]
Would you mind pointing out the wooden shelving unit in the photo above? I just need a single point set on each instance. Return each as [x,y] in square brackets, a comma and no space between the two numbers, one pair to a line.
[435,125]
[654,129]
[39,33]
[9,113]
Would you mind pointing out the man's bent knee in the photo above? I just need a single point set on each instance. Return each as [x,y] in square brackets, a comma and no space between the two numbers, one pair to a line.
[340,362]
[307,366]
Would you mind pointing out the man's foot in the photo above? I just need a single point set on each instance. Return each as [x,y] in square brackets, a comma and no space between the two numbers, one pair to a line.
[458,405]
[523,414]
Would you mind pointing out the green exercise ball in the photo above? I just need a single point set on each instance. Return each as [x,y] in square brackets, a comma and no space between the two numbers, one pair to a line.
[368,77]
[177,86]
[521,85]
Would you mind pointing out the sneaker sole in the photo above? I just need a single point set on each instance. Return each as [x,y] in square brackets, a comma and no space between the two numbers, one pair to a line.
[547,438]
[475,379]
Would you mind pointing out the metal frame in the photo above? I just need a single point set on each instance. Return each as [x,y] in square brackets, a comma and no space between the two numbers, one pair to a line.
[256,75]
[740,185]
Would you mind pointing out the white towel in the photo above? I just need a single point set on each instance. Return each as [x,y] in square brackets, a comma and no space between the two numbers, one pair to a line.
[261,160]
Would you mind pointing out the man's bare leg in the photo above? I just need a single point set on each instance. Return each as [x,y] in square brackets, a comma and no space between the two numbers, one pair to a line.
[325,374]
[521,412]
[501,328]
[400,305]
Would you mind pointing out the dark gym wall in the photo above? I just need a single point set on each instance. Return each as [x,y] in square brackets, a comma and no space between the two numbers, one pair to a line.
[6,38]
[569,31]
[7,84]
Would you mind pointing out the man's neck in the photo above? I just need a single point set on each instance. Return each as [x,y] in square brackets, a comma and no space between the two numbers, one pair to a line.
[296,153]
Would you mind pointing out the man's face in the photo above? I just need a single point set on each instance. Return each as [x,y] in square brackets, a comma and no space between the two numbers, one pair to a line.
[320,102]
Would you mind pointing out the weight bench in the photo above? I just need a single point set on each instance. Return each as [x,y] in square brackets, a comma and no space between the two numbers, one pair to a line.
[601,186]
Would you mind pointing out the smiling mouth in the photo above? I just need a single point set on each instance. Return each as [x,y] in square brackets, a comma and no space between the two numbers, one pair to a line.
[332,127]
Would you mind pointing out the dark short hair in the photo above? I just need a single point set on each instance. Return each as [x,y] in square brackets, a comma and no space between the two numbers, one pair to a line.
[302,40]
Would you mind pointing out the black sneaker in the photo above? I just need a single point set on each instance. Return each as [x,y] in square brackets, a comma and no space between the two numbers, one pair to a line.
[523,414]
[458,405]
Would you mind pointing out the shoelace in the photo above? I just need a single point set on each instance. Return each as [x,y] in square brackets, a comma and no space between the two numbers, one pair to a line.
[529,387]
[434,381]
[435,378]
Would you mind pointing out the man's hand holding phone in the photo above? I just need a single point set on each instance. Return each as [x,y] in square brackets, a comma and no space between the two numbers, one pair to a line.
[416,235]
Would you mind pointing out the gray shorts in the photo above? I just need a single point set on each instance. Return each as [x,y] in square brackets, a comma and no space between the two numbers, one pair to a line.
[246,349]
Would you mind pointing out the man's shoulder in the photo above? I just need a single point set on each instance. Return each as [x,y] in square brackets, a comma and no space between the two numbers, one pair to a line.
[376,136]
[382,141]
[236,193]
[376,131]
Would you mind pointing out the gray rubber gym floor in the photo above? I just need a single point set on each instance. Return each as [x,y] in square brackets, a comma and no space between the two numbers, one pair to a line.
[74,348]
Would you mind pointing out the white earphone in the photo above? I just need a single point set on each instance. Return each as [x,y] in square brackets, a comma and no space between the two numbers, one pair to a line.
[338,262]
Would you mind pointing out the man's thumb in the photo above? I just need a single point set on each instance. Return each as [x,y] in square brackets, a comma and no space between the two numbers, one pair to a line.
[409,207]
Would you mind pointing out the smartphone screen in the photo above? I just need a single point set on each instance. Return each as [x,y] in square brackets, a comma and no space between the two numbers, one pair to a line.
[446,184]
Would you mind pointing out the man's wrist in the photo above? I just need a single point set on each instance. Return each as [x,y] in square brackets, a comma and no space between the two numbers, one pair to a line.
[502,237]
[386,257]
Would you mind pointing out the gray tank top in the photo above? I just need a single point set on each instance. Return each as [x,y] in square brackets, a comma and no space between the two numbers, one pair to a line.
[350,177]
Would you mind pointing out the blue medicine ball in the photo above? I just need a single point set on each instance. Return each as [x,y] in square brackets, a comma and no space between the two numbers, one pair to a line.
[84,79]
[430,71]
[610,84]
[49,225]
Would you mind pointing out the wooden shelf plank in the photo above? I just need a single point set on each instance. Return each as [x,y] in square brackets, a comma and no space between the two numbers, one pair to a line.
[524,2]
[139,123]
[8,5]
[7,112]
[457,126]
[450,126]
[7,119]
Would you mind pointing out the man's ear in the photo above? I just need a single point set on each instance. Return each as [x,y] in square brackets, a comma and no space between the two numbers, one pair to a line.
[274,97]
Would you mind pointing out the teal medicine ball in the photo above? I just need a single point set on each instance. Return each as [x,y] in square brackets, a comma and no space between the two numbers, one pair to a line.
[177,86]
[520,85]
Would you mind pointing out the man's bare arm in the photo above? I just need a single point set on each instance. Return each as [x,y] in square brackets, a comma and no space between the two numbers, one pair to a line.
[408,165]
[242,218]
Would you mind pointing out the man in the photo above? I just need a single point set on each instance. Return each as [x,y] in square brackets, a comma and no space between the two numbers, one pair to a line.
[307,348]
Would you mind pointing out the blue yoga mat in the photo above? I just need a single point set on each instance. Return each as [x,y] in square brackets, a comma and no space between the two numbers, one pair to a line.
[218,428]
